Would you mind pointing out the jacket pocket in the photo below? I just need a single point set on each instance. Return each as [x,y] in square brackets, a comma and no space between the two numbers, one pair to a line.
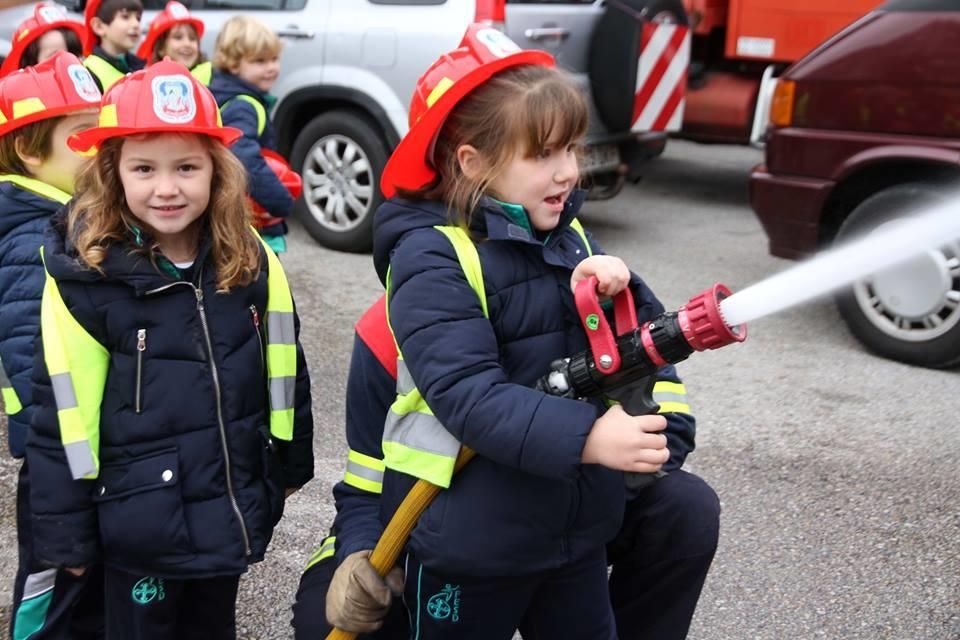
[272,475]
[141,510]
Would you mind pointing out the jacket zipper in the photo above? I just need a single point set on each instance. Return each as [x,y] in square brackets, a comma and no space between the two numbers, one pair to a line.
[216,385]
[256,325]
[141,347]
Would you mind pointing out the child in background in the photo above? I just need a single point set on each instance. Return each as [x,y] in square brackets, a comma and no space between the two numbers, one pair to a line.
[246,64]
[41,35]
[517,540]
[188,419]
[112,32]
[37,172]
[176,34]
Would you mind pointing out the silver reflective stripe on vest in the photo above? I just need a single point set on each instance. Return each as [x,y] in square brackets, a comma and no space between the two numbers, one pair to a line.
[661,397]
[280,327]
[417,429]
[281,330]
[282,392]
[80,459]
[63,392]
[4,380]
[364,472]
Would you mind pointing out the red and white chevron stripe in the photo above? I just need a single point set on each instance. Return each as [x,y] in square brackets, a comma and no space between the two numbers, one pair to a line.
[660,92]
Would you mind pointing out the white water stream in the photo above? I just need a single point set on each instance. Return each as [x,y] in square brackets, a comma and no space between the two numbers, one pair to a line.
[888,246]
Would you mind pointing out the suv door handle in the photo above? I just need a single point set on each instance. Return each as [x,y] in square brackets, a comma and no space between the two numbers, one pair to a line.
[294,32]
[547,33]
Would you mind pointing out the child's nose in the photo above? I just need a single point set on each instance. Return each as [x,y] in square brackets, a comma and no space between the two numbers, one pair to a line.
[167,187]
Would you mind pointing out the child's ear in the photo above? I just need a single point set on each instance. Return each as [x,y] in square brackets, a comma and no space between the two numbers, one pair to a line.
[471,161]
[31,162]
[98,26]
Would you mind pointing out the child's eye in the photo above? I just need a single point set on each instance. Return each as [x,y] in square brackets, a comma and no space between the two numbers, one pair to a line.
[544,153]
[188,167]
[142,168]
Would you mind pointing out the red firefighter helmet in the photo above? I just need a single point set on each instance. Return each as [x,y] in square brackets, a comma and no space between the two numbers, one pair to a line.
[172,15]
[45,18]
[55,87]
[483,52]
[90,39]
[288,178]
[163,98]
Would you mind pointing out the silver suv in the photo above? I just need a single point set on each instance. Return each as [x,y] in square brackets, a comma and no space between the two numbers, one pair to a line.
[349,68]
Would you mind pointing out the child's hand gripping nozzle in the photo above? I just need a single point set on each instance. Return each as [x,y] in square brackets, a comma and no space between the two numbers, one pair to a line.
[622,366]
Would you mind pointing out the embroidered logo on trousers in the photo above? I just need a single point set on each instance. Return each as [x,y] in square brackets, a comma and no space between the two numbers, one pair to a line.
[147,590]
[445,604]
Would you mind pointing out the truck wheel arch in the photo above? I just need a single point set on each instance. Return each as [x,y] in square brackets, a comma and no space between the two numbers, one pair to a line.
[877,169]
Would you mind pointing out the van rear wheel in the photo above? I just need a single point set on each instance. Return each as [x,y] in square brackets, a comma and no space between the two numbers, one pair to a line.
[910,312]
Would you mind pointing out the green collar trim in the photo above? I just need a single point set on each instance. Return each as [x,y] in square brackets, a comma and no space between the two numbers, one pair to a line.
[517,214]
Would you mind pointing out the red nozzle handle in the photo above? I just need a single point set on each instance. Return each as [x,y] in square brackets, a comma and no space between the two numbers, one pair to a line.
[603,342]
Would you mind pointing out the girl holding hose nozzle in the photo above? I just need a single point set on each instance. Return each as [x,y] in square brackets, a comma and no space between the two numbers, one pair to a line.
[517,541]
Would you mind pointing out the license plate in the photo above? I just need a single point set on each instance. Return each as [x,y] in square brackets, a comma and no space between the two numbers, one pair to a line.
[598,158]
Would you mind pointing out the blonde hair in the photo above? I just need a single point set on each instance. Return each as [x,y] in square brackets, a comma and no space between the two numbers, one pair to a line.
[100,216]
[517,111]
[243,37]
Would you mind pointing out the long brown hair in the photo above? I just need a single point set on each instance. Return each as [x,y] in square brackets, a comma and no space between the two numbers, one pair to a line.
[100,216]
[519,110]
[161,42]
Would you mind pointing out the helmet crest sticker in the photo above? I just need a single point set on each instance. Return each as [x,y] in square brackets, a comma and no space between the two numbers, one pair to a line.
[83,83]
[48,14]
[173,99]
[497,43]
[177,10]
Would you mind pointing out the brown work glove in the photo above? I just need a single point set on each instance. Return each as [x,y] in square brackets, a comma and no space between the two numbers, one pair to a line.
[358,598]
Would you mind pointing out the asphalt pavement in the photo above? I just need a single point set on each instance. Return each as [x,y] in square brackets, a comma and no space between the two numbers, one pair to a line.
[836,469]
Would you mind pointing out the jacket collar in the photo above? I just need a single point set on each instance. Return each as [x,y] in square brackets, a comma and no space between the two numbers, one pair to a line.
[502,221]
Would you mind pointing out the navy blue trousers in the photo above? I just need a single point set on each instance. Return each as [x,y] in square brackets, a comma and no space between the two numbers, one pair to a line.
[51,604]
[140,607]
[660,560]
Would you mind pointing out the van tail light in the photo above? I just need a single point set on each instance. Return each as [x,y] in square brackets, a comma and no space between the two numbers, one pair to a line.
[781,107]
[491,11]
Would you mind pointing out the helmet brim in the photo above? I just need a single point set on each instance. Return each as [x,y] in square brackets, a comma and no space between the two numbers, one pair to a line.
[88,141]
[12,61]
[407,168]
[146,47]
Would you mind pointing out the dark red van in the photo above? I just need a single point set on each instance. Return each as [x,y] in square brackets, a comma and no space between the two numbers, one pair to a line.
[864,129]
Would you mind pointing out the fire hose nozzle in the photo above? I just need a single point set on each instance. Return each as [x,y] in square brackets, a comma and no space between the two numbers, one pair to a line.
[702,323]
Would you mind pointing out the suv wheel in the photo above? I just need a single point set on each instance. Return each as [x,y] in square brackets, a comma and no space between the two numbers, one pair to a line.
[340,156]
[910,312]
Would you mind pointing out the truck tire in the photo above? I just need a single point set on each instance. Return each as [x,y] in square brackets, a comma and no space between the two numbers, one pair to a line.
[615,52]
[909,313]
[340,155]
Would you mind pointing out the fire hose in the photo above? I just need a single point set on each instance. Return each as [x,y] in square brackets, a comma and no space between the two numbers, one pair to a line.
[620,366]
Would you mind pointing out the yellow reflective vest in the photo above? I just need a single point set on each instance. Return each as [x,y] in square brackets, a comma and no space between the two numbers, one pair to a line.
[77,365]
[414,441]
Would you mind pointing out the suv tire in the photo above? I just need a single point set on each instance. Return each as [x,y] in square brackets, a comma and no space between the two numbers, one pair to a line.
[340,156]
[907,313]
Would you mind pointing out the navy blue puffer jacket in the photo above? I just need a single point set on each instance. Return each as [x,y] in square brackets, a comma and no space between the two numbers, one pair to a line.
[23,217]
[526,503]
[190,483]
